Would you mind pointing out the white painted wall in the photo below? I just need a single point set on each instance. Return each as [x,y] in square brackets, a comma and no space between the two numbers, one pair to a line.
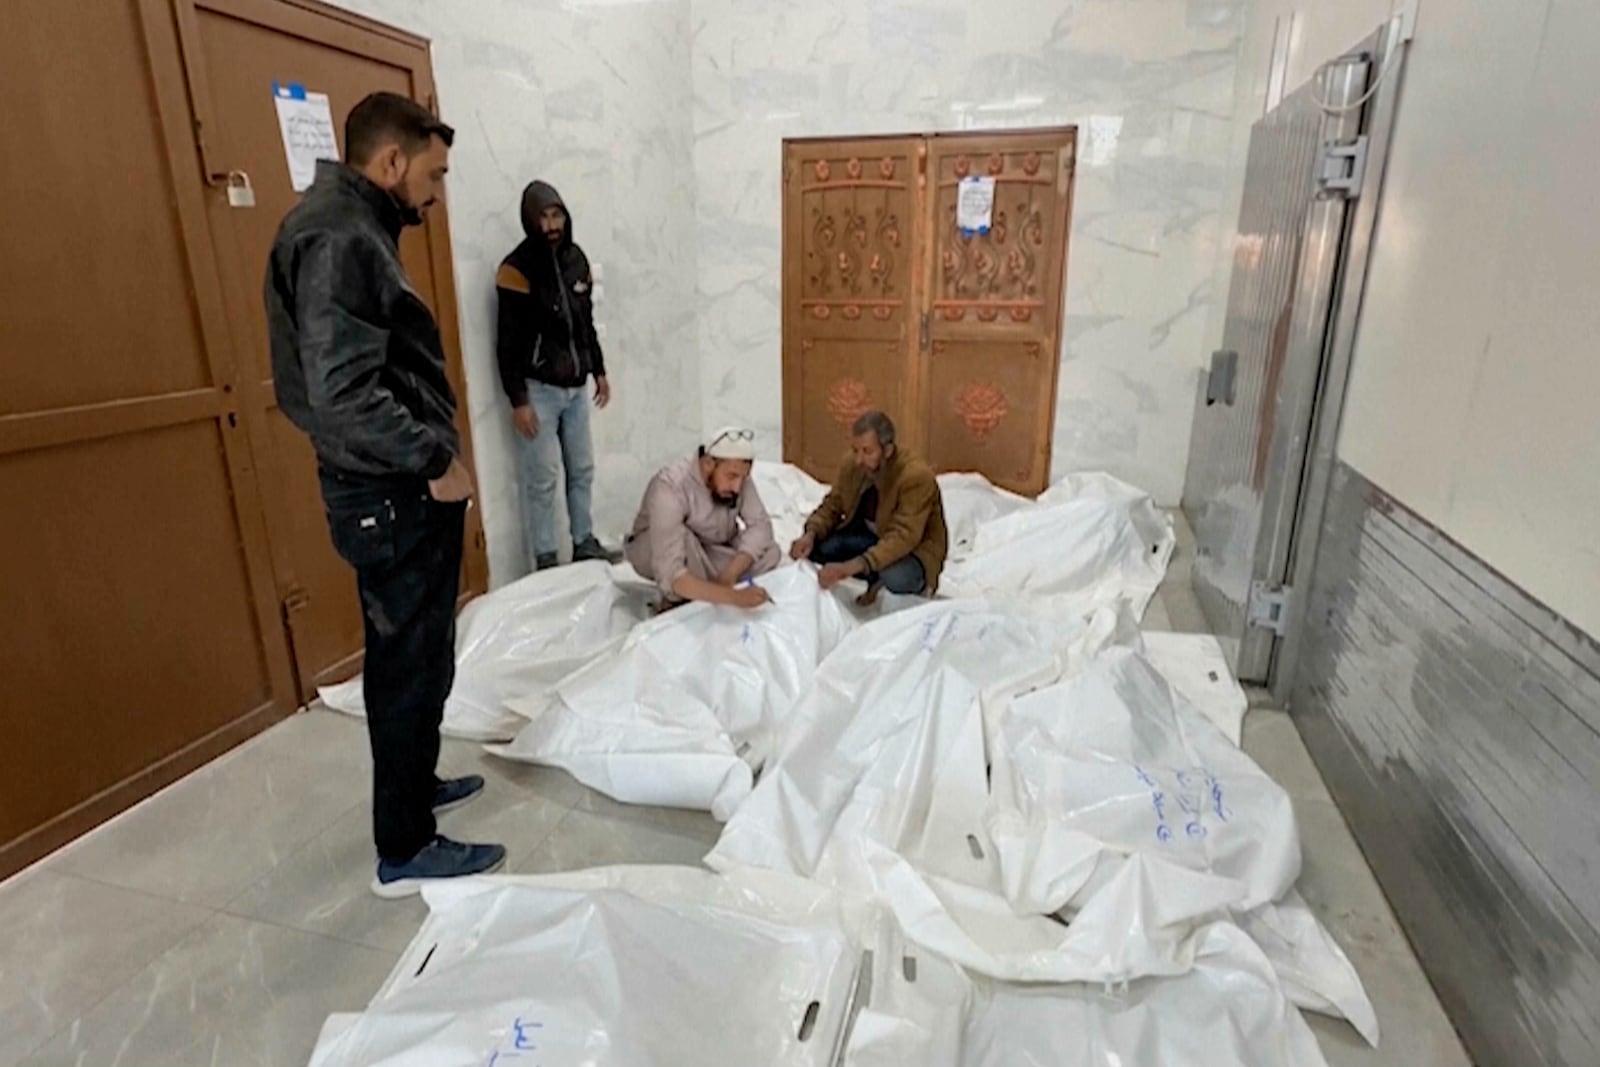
[1473,389]
[1149,83]
[594,97]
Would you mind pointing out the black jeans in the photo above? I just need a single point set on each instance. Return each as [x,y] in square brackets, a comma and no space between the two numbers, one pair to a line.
[903,576]
[406,550]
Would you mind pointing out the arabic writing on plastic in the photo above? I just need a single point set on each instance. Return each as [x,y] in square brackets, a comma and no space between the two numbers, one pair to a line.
[1199,793]
[521,1042]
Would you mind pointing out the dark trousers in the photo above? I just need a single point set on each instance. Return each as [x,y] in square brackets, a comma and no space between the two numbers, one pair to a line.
[903,576]
[406,550]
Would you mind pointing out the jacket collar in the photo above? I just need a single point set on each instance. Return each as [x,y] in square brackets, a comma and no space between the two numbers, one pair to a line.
[347,179]
[891,470]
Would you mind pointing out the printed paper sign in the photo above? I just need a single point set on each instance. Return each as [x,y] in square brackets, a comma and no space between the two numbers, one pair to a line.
[975,205]
[307,126]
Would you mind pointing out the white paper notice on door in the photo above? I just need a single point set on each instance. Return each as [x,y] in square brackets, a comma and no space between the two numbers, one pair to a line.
[975,205]
[307,126]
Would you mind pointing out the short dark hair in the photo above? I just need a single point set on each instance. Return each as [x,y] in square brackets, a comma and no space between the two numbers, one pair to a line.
[877,423]
[383,118]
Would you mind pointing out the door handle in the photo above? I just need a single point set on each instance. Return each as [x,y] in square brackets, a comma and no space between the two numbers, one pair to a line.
[922,333]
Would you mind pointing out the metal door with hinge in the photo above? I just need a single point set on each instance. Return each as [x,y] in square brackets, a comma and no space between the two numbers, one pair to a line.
[1254,414]
[235,51]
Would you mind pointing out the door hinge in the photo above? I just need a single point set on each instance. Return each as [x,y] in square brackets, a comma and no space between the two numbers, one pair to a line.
[1341,167]
[922,333]
[1269,607]
[296,600]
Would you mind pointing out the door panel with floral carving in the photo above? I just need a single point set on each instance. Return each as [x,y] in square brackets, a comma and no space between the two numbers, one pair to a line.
[849,290]
[888,304]
[996,303]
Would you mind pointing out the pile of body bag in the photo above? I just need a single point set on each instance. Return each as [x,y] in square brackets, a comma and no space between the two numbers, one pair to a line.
[691,704]
[1090,540]
[623,966]
[1067,856]
[1035,802]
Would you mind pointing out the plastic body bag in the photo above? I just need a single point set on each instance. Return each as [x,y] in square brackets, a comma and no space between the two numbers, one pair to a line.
[883,788]
[1198,669]
[667,966]
[1090,538]
[691,703]
[615,967]
[522,639]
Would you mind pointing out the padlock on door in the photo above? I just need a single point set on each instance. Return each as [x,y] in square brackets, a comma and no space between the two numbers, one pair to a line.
[240,193]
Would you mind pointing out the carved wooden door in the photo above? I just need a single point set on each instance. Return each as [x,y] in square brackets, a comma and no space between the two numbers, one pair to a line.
[987,392]
[851,310]
[889,303]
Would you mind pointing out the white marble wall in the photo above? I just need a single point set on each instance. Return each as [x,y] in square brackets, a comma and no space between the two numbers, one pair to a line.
[593,96]
[1150,83]
[661,121]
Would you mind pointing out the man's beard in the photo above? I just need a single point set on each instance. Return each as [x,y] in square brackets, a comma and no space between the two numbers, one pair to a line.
[409,215]
[727,500]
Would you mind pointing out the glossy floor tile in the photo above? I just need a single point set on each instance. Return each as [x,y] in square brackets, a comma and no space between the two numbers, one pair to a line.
[235,992]
[66,943]
[221,921]
[222,828]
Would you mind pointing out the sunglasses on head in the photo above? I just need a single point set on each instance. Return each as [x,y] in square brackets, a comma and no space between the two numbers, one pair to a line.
[731,435]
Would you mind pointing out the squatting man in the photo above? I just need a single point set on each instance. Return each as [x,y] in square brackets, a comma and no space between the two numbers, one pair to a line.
[883,520]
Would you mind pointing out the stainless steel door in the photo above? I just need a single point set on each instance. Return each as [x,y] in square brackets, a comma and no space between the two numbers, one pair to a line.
[1252,420]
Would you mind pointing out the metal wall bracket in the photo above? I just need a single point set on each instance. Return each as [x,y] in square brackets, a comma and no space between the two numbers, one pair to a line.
[1269,607]
[1342,167]
[1220,382]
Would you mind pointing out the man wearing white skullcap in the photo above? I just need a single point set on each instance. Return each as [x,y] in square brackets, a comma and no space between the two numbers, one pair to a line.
[702,530]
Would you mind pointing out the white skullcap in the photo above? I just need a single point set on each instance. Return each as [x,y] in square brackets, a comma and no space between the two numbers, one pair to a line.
[732,442]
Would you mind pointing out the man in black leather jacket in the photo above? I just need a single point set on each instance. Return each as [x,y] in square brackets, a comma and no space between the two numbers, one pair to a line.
[358,366]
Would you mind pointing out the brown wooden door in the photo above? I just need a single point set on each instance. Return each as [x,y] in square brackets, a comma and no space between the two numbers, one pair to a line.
[139,637]
[966,355]
[989,371]
[850,289]
[236,50]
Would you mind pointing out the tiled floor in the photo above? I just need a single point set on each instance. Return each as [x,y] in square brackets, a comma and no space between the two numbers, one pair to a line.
[221,921]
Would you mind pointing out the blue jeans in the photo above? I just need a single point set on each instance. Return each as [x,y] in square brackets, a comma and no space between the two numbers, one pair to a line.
[904,576]
[563,441]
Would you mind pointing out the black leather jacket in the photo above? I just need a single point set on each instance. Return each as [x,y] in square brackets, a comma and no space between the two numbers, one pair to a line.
[356,355]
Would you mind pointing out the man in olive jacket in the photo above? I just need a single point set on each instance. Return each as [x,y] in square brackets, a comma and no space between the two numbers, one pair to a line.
[883,520]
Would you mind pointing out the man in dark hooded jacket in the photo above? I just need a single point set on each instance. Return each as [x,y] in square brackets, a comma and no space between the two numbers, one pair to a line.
[548,350]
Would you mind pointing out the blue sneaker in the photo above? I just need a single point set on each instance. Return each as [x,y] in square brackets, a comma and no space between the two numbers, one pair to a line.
[451,793]
[442,859]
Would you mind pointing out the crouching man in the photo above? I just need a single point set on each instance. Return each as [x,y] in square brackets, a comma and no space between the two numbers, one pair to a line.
[702,531]
[882,521]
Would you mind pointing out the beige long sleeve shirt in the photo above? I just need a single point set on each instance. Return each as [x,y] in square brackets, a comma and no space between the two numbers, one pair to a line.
[678,505]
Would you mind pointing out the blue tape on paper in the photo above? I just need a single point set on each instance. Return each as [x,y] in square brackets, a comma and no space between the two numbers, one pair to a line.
[289,91]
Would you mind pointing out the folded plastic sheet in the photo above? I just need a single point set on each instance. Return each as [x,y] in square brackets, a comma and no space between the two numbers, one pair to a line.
[691,703]
[614,967]
[883,788]
[522,639]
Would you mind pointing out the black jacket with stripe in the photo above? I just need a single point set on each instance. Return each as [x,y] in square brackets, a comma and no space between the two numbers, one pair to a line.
[546,307]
